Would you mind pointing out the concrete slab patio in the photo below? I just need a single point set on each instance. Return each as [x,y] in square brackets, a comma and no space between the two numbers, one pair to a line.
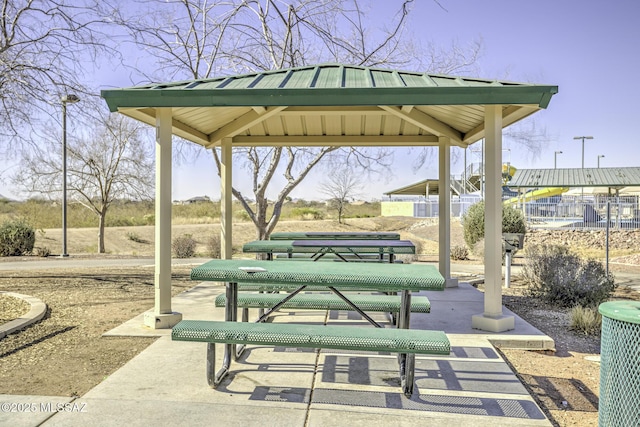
[166,384]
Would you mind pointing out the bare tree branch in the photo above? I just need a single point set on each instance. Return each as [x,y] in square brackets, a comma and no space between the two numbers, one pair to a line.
[45,47]
[200,38]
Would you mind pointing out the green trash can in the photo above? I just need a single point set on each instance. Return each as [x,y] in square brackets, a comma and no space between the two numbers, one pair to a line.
[620,364]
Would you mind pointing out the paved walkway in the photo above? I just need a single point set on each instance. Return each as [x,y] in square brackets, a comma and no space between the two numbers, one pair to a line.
[166,385]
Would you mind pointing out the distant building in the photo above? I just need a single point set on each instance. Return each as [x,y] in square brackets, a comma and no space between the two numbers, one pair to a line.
[197,199]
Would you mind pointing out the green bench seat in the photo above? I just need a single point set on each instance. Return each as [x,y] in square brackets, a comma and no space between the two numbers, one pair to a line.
[407,342]
[383,303]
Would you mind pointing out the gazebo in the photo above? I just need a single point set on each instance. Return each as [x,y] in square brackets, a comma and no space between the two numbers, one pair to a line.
[327,105]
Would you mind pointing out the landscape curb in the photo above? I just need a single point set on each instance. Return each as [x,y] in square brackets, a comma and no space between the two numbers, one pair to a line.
[37,312]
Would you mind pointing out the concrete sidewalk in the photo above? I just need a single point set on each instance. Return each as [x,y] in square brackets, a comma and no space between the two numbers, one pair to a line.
[166,384]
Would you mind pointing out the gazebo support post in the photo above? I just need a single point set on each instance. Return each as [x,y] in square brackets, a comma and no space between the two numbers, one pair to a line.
[162,317]
[225,199]
[493,320]
[444,211]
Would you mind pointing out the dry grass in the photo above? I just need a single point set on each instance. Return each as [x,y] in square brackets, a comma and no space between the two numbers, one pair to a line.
[118,241]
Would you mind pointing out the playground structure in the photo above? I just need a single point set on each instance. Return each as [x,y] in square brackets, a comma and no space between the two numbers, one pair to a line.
[559,205]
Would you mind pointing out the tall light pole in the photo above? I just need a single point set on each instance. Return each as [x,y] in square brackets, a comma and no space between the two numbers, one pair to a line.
[582,138]
[600,156]
[555,159]
[66,99]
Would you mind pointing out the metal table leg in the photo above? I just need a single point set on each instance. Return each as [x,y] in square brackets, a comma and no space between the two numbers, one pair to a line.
[406,361]
[231,314]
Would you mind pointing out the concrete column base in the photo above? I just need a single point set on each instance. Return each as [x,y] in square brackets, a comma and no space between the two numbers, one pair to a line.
[493,324]
[161,321]
[451,282]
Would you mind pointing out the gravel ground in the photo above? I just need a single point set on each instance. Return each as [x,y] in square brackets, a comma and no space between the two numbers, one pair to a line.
[65,354]
[12,308]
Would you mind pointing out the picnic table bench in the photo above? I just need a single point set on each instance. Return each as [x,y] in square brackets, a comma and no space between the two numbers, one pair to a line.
[404,278]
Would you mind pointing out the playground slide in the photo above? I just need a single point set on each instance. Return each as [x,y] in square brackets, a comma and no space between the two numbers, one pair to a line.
[507,173]
[535,195]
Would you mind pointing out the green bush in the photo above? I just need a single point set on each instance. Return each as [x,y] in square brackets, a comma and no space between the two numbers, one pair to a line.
[563,279]
[184,246]
[473,223]
[16,238]
[306,213]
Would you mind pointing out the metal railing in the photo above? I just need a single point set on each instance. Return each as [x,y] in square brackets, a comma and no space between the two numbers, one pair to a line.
[568,212]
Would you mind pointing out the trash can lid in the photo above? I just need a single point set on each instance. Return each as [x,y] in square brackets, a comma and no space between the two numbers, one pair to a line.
[626,311]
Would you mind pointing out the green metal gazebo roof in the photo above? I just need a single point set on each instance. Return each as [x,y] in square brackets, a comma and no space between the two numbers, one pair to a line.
[587,177]
[331,104]
[417,189]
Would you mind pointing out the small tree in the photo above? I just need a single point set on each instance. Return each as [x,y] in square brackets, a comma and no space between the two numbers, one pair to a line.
[341,186]
[473,223]
[111,162]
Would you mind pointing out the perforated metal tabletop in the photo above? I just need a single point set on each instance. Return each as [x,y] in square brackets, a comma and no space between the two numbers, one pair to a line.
[383,277]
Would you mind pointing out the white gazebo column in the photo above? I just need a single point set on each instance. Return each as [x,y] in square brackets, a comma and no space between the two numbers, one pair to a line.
[493,320]
[444,211]
[225,199]
[162,317]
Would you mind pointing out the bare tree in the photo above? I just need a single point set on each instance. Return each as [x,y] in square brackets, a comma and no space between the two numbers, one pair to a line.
[113,161]
[199,39]
[45,46]
[342,185]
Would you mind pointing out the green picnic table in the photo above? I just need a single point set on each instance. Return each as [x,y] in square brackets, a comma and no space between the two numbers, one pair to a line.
[403,278]
[342,249]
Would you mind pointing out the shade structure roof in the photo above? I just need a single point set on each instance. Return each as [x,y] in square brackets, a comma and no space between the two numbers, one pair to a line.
[422,188]
[587,177]
[331,104]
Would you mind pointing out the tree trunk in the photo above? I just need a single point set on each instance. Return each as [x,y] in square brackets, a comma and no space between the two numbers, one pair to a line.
[101,249]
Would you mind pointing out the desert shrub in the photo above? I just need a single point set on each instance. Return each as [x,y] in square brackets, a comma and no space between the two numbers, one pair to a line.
[135,237]
[478,249]
[213,246]
[586,320]
[473,223]
[43,251]
[307,213]
[418,245]
[16,238]
[242,215]
[563,279]
[184,246]
[459,253]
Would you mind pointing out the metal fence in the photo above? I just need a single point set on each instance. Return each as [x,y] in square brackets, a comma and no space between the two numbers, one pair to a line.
[590,211]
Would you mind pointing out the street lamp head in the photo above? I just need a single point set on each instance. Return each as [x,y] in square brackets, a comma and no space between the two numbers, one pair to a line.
[583,137]
[70,99]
